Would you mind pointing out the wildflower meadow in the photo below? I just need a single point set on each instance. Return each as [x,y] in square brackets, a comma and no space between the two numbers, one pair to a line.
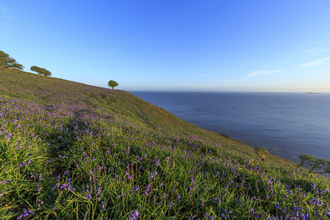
[94,156]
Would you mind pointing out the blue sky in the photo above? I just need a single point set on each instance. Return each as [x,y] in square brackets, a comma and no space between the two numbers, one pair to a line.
[171,45]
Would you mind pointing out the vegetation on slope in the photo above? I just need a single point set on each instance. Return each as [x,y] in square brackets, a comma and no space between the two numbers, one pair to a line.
[8,62]
[72,151]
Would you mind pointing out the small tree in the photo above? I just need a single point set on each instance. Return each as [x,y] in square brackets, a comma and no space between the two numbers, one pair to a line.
[112,84]
[40,71]
[8,62]
[46,72]
[36,69]
[314,163]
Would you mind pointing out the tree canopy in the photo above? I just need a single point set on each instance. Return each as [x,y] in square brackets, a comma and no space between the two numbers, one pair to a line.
[8,62]
[112,84]
[40,71]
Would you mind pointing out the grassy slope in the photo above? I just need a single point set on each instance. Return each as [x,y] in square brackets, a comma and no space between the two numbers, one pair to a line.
[39,89]
[58,135]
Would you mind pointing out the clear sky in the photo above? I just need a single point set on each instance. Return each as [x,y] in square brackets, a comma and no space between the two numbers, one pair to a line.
[174,45]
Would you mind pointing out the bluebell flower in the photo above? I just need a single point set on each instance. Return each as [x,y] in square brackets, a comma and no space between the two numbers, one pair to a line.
[103,206]
[121,193]
[313,186]
[179,197]
[277,206]
[134,215]
[25,214]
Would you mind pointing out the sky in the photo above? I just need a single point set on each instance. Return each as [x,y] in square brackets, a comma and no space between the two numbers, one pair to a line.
[171,45]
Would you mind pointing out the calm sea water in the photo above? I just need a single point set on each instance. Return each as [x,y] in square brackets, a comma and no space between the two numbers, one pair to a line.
[296,122]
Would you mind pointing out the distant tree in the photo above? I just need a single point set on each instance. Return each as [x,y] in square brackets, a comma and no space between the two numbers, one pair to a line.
[45,72]
[36,69]
[41,71]
[8,62]
[112,84]
[314,164]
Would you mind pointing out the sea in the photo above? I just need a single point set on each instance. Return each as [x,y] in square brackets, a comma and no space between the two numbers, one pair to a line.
[298,123]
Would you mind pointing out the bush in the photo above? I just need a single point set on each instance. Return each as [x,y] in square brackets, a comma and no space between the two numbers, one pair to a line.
[261,152]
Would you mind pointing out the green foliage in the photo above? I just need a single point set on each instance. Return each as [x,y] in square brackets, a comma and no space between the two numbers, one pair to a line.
[261,152]
[112,84]
[41,71]
[314,163]
[35,69]
[8,62]
[45,72]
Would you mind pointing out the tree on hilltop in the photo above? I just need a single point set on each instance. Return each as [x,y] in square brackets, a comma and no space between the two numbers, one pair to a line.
[45,72]
[41,71]
[36,69]
[8,62]
[112,84]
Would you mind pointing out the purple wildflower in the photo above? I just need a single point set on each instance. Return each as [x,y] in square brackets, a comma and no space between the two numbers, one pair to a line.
[156,163]
[25,214]
[128,176]
[121,193]
[313,186]
[134,215]
[103,206]
[277,205]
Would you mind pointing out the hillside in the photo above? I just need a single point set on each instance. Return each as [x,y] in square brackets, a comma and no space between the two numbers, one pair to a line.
[74,151]
[118,103]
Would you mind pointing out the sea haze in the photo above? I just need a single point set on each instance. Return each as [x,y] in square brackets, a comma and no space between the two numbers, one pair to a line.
[296,122]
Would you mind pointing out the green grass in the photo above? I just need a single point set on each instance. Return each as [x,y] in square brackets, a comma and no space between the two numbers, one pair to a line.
[73,151]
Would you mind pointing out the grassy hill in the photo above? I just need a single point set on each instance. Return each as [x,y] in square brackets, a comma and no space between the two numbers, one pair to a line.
[74,151]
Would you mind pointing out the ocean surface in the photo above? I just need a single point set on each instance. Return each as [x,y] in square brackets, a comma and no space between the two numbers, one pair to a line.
[299,123]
